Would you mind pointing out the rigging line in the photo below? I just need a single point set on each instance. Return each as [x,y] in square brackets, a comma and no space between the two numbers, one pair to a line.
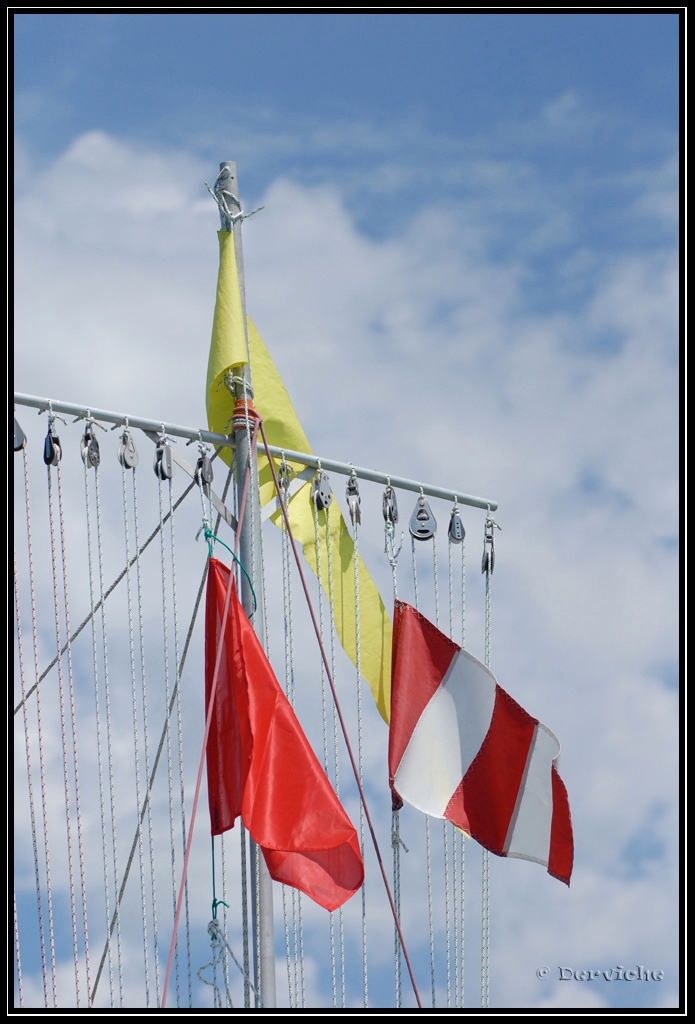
[340,716]
[97,719]
[17,953]
[208,721]
[485,936]
[428,845]
[61,695]
[146,737]
[109,742]
[396,844]
[180,736]
[32,813]
[324,730]
[150,782]
[97,605]
[336,751]
[168,697]
[360,759]
[333,670]
[42,762]
[73,724]
[136,748]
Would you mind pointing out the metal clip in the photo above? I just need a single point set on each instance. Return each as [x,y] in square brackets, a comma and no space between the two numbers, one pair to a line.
[19,436]
[321,490]
[284,477]
[423,525]
[90,448]
[203,470]
[352,493]
[488,563]
[389,505]
[52,450]
[163,460]
[127,452]
[456,530]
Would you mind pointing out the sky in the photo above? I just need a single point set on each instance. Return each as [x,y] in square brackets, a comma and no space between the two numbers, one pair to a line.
[466,269]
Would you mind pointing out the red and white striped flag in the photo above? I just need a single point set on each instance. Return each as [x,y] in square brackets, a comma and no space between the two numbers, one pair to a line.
[461,748]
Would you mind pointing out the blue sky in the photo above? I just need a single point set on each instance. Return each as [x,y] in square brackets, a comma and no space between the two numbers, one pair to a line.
[466,269]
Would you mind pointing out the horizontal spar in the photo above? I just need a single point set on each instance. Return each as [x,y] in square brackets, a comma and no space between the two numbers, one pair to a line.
[312,461]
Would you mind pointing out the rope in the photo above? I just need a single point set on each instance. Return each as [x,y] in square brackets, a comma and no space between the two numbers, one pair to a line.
[42,763]
[428,846]
[485,931]
[412,546]
[179,725]
[336,752]
[340,716]
[201,765]
[324,717]
[396,845]
[97,606]
[18,958]
[136,751]
[145,720]
[109,742]
[360,752]
[170,776]
[296,997]
[32,813]
[61,695]
[160,748]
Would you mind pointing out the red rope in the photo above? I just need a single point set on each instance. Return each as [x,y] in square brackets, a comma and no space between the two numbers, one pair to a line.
[340,717]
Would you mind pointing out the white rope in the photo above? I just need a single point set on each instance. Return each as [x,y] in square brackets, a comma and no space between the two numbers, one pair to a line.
[225,903]
[245,915]
[32,811]
[412,547]
[179,725]
[291,944]
[428,846]
[17,953]
[42,763]
[397,953]
[457,836]
[336,747]
[170,776]
[462,837]
[324,712]
[150,830]
[136,750]
[485,931]
[27,748]
[63,734]
[360,752]
[109,741]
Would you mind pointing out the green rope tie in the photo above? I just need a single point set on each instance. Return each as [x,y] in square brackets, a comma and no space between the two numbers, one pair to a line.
[210,537]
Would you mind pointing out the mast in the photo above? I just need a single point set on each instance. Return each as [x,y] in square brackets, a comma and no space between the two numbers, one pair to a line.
[249,549]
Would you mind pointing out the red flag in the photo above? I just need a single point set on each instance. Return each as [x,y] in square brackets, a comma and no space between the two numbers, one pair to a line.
[260,763]
[461,748]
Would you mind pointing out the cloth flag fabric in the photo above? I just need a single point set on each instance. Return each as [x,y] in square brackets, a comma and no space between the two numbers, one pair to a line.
[261,766]
[228,349]
[462,749]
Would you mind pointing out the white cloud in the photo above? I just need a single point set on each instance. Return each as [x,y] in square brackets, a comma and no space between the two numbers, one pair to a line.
[419,355]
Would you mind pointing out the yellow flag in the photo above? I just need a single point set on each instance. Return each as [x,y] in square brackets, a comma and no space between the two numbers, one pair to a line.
[228,343]
[283,429]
